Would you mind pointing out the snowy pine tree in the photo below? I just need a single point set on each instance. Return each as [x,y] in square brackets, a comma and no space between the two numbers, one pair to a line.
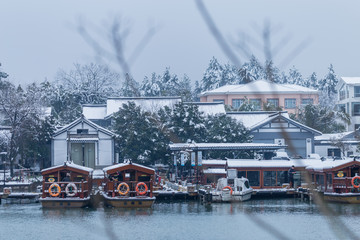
[295,77]
[251,71]
[213,76]
[151,87]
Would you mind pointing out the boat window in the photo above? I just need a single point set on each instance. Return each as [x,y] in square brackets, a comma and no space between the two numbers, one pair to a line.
[144,178]
[254,178]
[269,178]
[241,174]
[246,183]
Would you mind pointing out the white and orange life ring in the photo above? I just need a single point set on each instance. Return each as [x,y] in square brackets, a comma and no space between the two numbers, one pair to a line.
[123,188]
[228,187]
[141,188]
[71,190]
[357,184]
[56,192]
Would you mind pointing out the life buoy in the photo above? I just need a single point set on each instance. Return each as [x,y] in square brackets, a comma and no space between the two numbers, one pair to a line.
[141,188]
[357,183]
[123,188]
[56,192]
[71,190]
[228,187]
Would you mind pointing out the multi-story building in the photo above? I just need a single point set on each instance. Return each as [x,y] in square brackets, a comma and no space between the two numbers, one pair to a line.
[348,90]
[289,97]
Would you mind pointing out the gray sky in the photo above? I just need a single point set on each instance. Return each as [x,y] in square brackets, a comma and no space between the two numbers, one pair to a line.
[39,37]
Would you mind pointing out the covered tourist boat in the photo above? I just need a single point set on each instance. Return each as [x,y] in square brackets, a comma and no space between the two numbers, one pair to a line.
[68,186]
[339,180]
[128,185]
[232,189]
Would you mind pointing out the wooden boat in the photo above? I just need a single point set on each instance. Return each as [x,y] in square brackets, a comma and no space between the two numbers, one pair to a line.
[338,180]
[128,185]
[66,186]
[232,190]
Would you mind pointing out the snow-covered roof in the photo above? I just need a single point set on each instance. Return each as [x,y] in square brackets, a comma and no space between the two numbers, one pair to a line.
[210,108]
[351,80]
[94,111]
[279,115]
[70,164]
[151,104]
[224,146]
[249,163]
[260,87]
[250,119]
[214,162]
[123,165]
[328,164]
[90,123]
[215,171]
[331,136]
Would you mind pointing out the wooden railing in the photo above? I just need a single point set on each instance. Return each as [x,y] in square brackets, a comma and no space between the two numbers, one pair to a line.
[342,185]
[111,188]
[83,189]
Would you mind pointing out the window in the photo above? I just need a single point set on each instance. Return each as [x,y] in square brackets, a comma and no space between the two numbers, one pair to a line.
[269,178]
[256,103]
[82,131]
[334,152]
[219,100]
[273,101]
[254,178]
[282,177]
[342,94]
[241,174]
[356,109]
[236,103]
[290,103]
[356,127]
[357,91]
[307,101]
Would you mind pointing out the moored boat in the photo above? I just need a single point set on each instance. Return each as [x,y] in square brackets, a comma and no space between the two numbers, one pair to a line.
[232,190]
[66,186]
[128,185]
[338,180]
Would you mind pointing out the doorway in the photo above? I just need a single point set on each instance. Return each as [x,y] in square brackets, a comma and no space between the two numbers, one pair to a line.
[83,154]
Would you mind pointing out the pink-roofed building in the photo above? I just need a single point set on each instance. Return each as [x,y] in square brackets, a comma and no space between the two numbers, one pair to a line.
[287,96]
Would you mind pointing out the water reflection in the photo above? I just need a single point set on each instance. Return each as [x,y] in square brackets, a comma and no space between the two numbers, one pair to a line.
[179,220]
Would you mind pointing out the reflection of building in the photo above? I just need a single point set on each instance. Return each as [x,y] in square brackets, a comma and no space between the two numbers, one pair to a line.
[349,99]
[84,143]
[260,92]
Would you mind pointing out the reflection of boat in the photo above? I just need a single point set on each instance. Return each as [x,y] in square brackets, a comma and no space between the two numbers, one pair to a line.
[232,190]
[67,186]
[128,185]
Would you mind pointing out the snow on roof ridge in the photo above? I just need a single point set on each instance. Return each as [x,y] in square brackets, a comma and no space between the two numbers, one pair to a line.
[245,88]
[351,80]
[70,164]
[125,164]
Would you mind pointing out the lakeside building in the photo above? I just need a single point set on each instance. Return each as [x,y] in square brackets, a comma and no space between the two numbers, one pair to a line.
[338,145]
[279,128]
[84,143]
[286,96]
[348,101]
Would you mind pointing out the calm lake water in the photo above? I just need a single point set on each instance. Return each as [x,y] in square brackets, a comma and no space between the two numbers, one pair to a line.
[255,219]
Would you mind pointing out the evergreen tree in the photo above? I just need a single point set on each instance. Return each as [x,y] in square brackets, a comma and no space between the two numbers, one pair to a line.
[329,82]
[151,87]
[295,77]
[251,71]
[312,81]
[187,123]
[213,76]
[135,131]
